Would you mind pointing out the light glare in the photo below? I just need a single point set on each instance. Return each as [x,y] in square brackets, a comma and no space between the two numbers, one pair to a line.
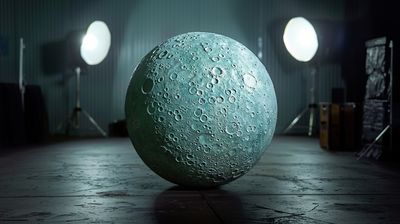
[89,42]
[300,39]
[96,43]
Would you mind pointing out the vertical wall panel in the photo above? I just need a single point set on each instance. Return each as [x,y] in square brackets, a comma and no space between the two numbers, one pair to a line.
[137,26]
[8,66]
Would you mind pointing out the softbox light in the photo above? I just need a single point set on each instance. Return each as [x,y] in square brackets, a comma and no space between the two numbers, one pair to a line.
[300,39]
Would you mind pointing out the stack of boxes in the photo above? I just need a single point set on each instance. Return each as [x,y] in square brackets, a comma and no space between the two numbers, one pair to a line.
[337,126]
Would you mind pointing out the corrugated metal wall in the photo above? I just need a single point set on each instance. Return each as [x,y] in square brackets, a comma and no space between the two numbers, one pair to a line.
[137,26]
[7,37]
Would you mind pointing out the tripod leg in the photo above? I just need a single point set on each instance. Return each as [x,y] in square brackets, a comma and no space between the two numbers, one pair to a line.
[94,123]
[295,120]
[71,122]
[63,123]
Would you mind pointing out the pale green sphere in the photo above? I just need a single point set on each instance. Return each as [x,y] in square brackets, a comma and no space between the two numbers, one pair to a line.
[201,109]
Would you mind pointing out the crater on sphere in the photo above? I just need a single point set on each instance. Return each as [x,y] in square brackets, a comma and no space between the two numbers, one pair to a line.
[201,109]
[147,85]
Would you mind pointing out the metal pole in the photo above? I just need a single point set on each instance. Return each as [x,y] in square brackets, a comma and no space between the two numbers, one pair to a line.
[78,85]
[78,102]
[312,102]
[391,95]
[366,150]
[21,70]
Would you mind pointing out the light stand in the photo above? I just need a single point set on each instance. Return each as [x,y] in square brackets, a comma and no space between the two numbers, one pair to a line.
[74,119]
[93,48]
[388,127]
[21,71]
[301,42]
[312,107]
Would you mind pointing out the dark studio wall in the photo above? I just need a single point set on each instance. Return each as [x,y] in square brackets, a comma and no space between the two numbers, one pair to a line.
[365,20]
[137,26]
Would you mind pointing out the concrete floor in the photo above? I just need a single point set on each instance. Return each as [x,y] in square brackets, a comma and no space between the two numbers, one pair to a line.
[104,181]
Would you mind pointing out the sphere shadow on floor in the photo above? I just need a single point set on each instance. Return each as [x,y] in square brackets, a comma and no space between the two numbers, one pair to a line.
[188,205]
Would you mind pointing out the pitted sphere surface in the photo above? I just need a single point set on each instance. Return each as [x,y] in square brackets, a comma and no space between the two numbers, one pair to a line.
[201,109]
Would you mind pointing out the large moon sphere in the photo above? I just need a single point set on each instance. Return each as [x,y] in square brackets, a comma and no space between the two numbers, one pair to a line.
[201,109]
